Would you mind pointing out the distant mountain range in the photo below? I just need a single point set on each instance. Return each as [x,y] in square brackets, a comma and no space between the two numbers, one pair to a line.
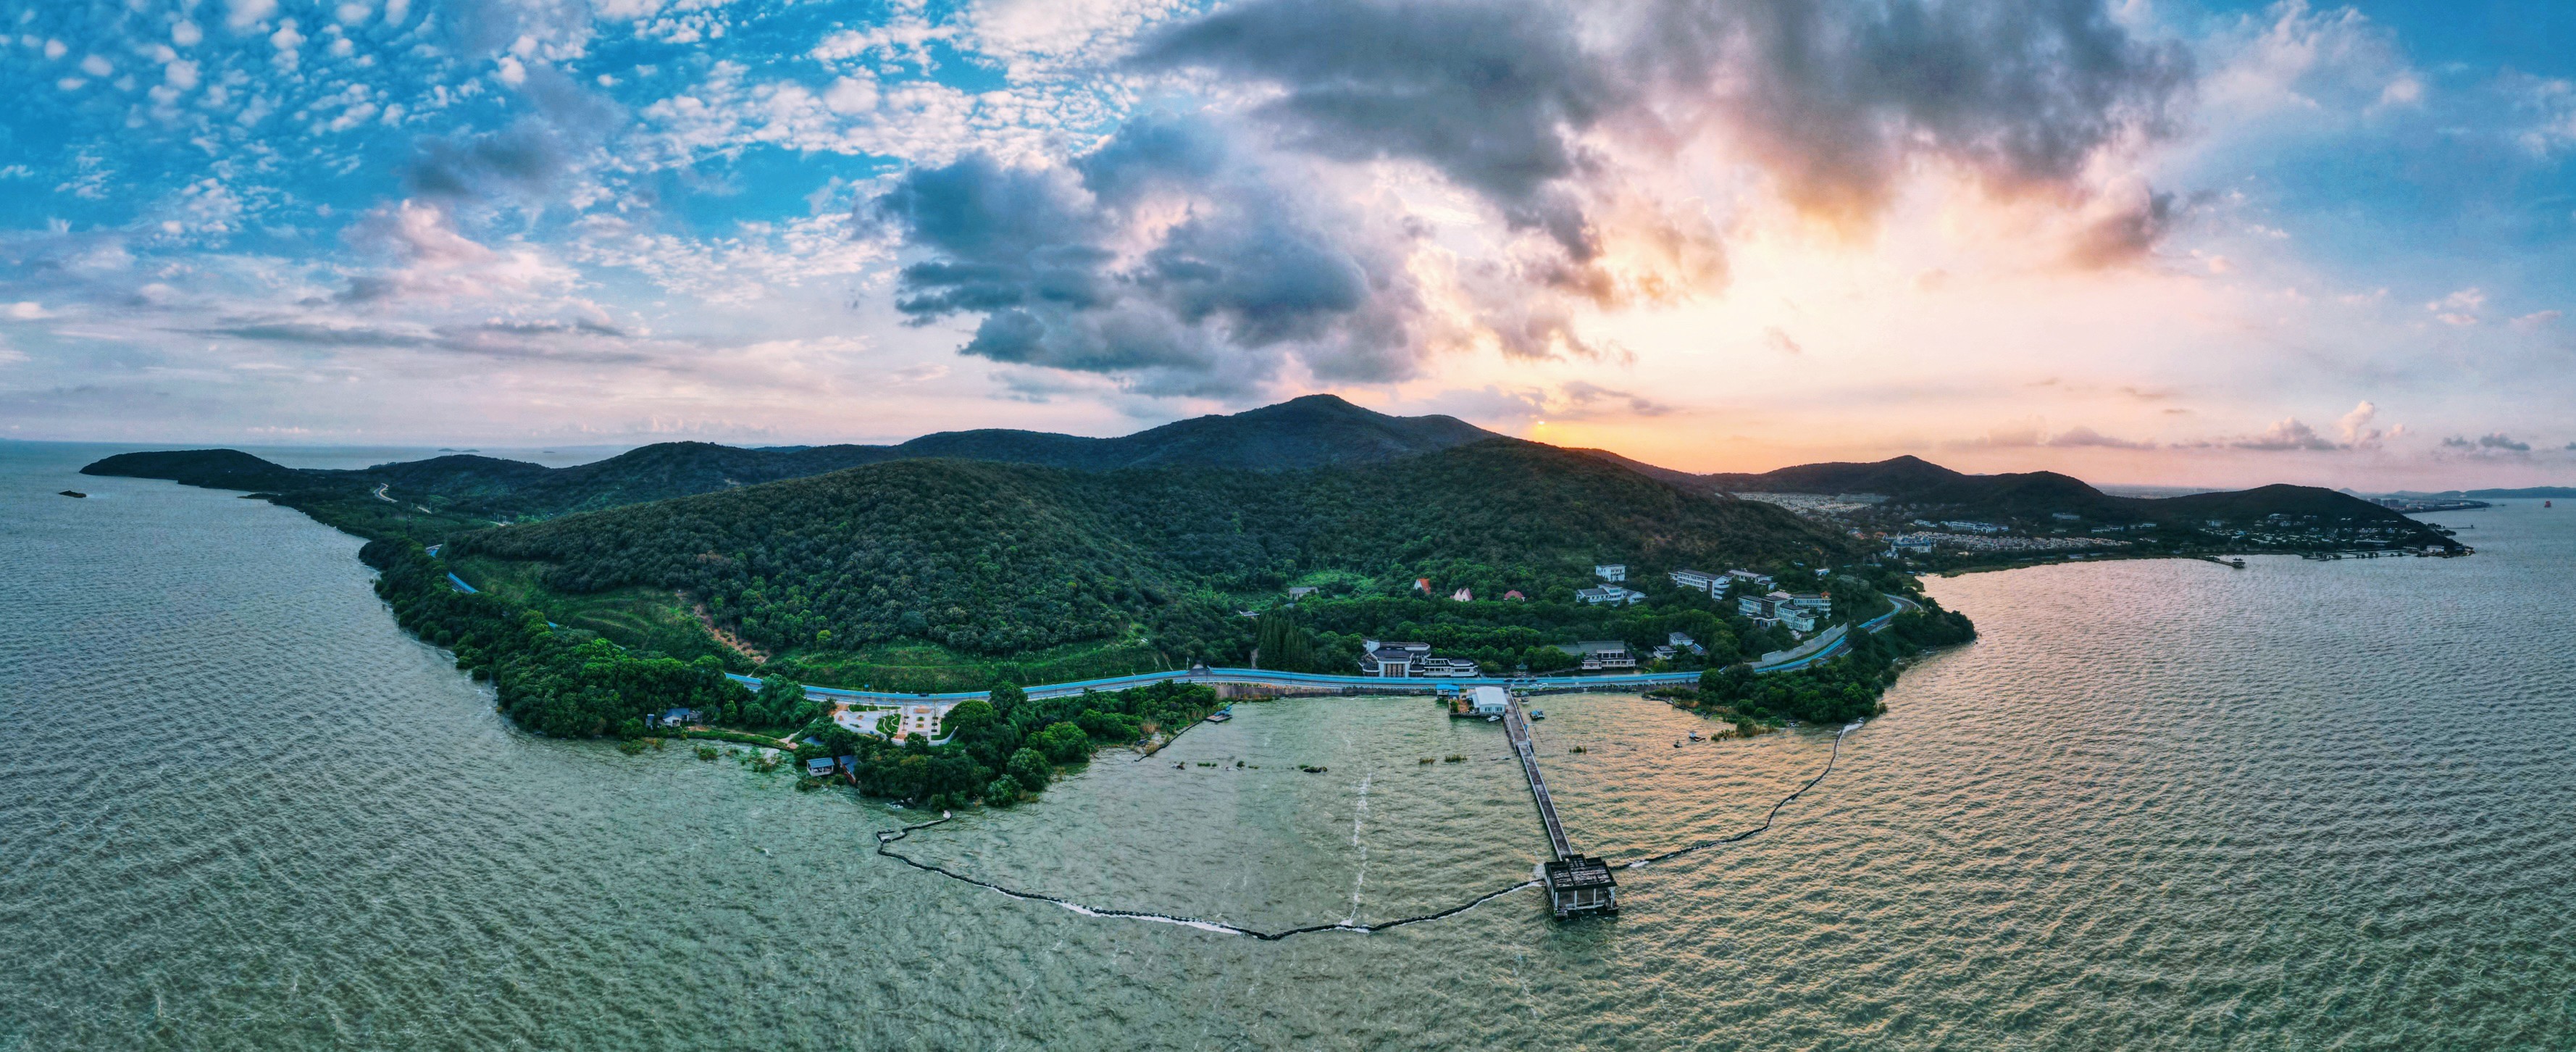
[1317,431]
[1310,432]
[2022,496]
[2528,493]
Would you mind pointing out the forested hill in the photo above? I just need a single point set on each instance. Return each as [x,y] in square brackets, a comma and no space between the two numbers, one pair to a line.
[1310,432]
[2035,496]
[996,559]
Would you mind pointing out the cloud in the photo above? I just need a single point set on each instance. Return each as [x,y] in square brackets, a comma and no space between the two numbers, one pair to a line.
[2536,320]
[1776,339]
[2037,436]
[26,310]
[1579,396]
[428,258]
[529,161]
[2459,308]
[2287,434]
[2492,443]
[2085,437]
[1164,256]
[1264,234]
[2355,427]
[241,15]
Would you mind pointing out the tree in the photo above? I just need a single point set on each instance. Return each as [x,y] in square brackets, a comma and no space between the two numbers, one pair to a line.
[779,698]
[890,724]
[1063,742]
[1031,769]
[1007,698]
[1002,792]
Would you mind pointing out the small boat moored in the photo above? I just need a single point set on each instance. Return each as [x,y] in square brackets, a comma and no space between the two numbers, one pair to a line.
[1538,714]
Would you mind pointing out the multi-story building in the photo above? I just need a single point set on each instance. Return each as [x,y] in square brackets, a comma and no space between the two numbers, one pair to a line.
[1699,580]
[1609,593]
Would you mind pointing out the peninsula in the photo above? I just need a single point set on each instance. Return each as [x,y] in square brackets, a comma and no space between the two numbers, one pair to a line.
[1309,538]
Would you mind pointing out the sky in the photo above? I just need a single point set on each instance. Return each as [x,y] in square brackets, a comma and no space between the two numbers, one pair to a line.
[2139,241]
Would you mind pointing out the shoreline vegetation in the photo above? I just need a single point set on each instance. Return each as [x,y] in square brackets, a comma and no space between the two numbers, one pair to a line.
[573,683]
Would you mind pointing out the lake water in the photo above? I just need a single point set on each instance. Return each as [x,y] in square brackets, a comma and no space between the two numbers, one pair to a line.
[2159,805]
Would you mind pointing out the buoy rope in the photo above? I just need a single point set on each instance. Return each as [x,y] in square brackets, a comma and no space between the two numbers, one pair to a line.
[887,837]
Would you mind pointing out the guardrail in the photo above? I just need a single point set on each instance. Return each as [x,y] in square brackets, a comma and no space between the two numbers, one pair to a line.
[1270,678]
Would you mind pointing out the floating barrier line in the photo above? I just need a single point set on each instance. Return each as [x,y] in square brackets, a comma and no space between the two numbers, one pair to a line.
[1767,820]
[886,837]
[889,836]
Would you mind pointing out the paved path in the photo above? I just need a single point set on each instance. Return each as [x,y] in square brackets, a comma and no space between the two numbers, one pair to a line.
[1258,677]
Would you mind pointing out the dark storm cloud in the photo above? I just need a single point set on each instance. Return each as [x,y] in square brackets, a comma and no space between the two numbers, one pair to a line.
[1253,274]
[1547,112]
[526,162]
[1490,94]
[1835,97]
[1832,98]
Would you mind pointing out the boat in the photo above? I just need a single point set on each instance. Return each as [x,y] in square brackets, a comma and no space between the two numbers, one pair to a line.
[1538,714]
[1493,719]
[75,493]
[1219,717]
[1694,735]
[1677,743]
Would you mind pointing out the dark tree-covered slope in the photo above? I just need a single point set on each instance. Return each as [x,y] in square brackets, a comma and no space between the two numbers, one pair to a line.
[2033,495]
[210,468]
[1002,558]
[1315,431]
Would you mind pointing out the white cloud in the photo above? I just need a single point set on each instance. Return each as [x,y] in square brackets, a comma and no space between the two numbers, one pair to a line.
[27,310]
[2536,320]
[243,14]
[96,66]
[2287,433]
[185,33]
[2355,427]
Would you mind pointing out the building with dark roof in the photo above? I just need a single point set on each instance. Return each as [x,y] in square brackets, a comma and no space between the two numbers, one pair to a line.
[1580,884]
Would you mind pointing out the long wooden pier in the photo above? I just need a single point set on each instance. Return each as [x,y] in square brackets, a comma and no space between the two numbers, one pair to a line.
[1575,883]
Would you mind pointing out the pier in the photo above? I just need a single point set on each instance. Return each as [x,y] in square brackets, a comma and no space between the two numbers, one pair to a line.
[1575,883]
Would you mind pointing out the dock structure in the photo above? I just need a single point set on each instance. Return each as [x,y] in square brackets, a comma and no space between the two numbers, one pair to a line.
[1575,883]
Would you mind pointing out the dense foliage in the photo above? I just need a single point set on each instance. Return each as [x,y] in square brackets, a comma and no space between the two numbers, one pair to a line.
[1002,559]
[1840,690]
[550,681]
[1009,747]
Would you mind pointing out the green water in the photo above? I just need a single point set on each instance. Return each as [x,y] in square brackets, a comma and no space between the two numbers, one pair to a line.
[2159,805]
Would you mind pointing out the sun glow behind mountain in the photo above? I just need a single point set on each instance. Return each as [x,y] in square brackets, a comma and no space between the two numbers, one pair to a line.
[2227,245]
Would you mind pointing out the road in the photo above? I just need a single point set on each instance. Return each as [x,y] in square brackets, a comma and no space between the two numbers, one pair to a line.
[1270,678]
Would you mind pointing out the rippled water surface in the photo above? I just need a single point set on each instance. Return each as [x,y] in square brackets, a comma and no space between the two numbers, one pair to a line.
[2159,805]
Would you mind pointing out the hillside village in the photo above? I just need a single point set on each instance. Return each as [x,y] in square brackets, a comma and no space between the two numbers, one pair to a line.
[1754,597]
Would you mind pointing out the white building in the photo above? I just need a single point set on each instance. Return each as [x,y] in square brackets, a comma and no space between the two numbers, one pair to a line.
[1609,593]
[1412,661]
[1699,580]
[1488,701]
[1612,572]
[1602,655]
[1757,580]
[1816,601]
[1391,660]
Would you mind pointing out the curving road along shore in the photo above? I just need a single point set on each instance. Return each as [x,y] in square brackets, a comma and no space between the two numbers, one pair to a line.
[1821,648]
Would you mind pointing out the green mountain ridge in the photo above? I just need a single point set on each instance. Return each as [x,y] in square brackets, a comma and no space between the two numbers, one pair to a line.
[2034,496]
[1314,431]
[999,559]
